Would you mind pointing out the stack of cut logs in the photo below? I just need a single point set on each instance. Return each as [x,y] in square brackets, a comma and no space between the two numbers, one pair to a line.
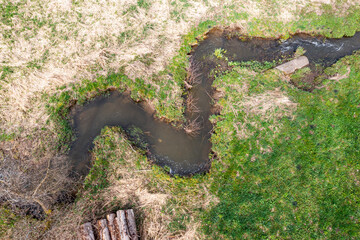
[116,227]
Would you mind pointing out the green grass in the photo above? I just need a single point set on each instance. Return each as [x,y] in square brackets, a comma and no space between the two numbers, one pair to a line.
[307,186]
[114,151]
[167,105]
[303,80]
[178,10]
[97,179]
[144,4]
[7,220]
[131,9]
[5,71]
[330,23]
[257,66]
[59,104]
[8,10]
[6,137]
[304,187]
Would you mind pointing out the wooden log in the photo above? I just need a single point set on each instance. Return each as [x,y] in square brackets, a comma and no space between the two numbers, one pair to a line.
[86,232]
[121,221]
[131,224]
[114,231]
[103,230]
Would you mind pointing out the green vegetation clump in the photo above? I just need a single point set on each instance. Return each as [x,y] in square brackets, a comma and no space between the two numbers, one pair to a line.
[136,136]
[8,10]
[7,220]
[6,137]
[307,78]
[219,54]
[259,66]
[299,52]
[97,179]
[299,78]
[5,71]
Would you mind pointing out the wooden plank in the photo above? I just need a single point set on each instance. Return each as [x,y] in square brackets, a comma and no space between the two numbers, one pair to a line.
[103,230]
[293,65]
[114,232]
[117,223]
[86,232]
[131,224]
[121,221]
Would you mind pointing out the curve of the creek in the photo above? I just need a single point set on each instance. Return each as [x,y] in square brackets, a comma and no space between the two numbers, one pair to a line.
[166,145]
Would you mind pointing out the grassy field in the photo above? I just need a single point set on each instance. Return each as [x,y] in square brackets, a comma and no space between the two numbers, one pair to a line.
[285,160]
[288,169]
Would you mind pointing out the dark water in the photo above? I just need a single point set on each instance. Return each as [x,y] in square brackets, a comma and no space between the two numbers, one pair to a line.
[167,146]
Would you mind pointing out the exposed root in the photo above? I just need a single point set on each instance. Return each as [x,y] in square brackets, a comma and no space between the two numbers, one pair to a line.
[193,127]
[191,104]
[194,74]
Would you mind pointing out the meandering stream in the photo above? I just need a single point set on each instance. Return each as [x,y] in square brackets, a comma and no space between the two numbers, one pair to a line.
[167,146]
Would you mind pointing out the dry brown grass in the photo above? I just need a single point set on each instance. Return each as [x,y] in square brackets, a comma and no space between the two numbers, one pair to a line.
[135,186]
[194,73]
[191,104]
[130,186]
[31,175]
[269,105]
[150,194]
[81,39]
[87,35]
[92,40]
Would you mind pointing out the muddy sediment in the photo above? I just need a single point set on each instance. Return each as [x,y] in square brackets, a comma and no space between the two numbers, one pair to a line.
[186,151]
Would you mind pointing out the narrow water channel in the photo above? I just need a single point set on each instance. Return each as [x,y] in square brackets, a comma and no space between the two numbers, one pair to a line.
[174,148]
